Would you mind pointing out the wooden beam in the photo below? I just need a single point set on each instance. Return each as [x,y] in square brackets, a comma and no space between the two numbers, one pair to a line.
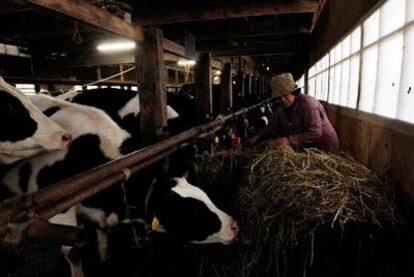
[91,14]
[150,77]
[229,11]
[40,80]
[226,93]
[203,87]
[252,51]
[172,52]
[317,14]
[252,34]
[179,50]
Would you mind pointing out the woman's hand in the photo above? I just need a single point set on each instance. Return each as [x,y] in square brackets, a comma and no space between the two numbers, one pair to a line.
[279,142]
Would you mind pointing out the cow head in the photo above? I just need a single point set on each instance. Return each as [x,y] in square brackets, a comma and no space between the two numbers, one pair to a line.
[25,130]
[187,212]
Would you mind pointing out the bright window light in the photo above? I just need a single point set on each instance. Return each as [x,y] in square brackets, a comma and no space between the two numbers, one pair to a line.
[116,46]
[26,88]
[186,62]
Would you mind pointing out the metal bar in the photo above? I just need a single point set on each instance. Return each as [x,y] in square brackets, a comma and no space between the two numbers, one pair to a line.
[44,231]
[56,233]
[50,211]
[26,205]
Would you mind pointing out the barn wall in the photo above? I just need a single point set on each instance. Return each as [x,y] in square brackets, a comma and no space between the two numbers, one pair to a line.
[338,18]
[379,143]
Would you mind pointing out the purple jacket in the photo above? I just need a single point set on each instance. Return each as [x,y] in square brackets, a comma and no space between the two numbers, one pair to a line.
[305,124]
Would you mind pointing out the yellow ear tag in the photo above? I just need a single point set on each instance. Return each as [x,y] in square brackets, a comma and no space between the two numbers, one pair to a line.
[216,140]
[155,224]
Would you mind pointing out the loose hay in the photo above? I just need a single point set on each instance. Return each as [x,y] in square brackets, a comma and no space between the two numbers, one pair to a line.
[286,195]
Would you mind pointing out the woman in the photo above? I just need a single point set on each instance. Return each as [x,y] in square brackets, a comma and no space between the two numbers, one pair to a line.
[299,122]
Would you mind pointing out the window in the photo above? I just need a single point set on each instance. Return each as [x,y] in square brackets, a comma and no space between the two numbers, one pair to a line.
[388,76]
[13,50]
[405,105]
[26,88]
[368,78]
[371,69]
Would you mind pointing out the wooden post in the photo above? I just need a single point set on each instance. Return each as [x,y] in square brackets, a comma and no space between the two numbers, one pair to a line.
[306,80]
[98,72]
[254,86]
[203,89]
[226,95]
[239,89]
[121,70]
[262,87]
[248,86]
[150,76]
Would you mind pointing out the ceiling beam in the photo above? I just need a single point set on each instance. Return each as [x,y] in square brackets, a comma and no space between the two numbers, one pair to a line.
[317,14]
[229,11]
[178,50]
[253,34]
[172,51]
[91,14]
[254,52]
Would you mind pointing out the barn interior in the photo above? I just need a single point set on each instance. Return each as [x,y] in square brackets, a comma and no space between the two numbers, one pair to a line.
[355,57]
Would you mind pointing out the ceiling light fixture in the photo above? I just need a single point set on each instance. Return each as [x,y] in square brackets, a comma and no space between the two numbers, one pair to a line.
[116,46]
[186,62]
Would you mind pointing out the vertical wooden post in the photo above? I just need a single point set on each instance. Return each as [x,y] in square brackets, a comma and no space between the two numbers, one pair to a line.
[239,89]
[121,70]
[306,80]
[177,79]
[98,73]
[254,86]
[150,76]
[203,88]
[262,87]
[248,88]
[240,83]
[226,95]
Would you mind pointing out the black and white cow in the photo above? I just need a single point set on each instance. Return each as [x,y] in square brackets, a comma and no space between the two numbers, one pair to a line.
[25,129]
[181,208]
[122,106]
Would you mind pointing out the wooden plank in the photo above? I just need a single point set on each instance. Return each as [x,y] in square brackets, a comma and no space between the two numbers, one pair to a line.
[317,14]
[91,14]
[225,11]
[239,87]
[253,33]
[105,59]
[203,89]
[226,94]
[178,50]
[248,85]
[151,80]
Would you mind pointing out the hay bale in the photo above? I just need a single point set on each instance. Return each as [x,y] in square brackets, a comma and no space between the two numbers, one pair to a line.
[285,196]
[292,192]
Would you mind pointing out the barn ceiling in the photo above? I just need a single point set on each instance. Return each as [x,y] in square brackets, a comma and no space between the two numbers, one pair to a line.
[274,33]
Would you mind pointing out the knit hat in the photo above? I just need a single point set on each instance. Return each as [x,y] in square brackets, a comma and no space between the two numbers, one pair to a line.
[282,84]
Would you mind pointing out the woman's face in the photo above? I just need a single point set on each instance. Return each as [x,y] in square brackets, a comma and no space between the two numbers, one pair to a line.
[287,100]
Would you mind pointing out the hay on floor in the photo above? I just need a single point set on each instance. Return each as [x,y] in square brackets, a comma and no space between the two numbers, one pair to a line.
[285,196]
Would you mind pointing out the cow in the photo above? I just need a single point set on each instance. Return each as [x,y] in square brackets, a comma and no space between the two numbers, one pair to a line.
[26,130]
[123,106]
[179,207]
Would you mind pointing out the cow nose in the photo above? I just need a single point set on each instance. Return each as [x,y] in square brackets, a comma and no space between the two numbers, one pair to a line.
[234,226]
[66,139]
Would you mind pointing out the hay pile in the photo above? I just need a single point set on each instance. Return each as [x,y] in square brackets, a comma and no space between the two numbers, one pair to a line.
[291,192]
[285,196]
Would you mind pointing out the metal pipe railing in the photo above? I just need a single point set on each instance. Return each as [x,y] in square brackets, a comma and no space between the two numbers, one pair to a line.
[73,190]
